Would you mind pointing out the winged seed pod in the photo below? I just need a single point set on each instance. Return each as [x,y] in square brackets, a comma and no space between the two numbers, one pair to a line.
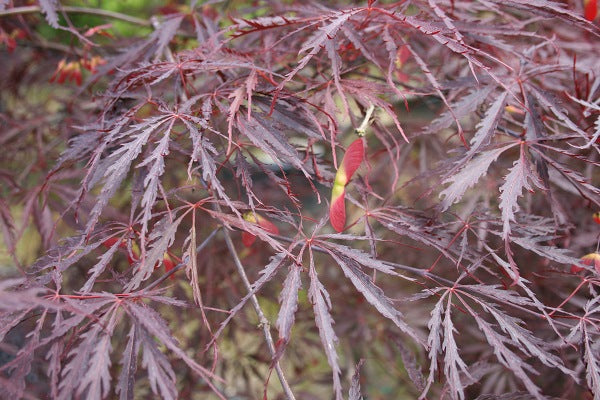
[350,163]
[248,238]
[592,259]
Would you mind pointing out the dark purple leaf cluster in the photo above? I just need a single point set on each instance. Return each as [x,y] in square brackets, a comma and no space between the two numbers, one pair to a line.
[124,202]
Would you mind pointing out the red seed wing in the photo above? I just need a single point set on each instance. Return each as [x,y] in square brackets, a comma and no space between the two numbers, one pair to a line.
[111,242]
[248,239]
[168,262]
[337,212]
[591,9]
[353,158]
[267,225]
[593,260]
[575,269]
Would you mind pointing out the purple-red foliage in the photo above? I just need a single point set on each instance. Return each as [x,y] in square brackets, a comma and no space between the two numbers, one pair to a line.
[452,277]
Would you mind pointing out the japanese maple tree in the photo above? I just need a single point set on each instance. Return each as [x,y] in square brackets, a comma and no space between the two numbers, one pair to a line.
[288,199]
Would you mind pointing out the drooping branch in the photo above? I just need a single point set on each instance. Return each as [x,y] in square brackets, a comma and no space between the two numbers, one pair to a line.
[78,10]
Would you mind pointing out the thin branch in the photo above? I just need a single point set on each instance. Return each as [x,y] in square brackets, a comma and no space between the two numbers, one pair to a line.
[78,10]
[264,323]
[44,44]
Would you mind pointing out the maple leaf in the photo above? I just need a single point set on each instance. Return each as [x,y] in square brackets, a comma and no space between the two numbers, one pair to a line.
[518,178]
[469,175]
